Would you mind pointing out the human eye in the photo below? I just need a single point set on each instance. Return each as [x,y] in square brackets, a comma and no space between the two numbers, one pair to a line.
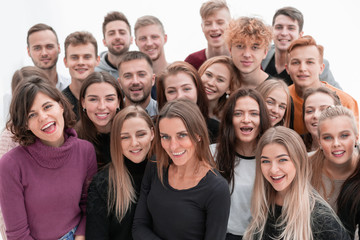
[207,23]
[255,114]
[345,135]
[310,62]
[308,111]
[164,137]
[92,99]
[255,47]
[127,76]
[142,39]
[36,48]
[239,46]
[278,27]
[141,134]
[74,57]
[221,80]
[283,160]
[270,102]
[47,106]
[291,28]
[265,161]
[142,74]
[208,74]
[187,89]
[155,37]
[50,46]
[295,62]
[182,135]
[31,115]
[88,56]
[237,113]
[283,107]
[170,91]
[326,137]
[111,33]
[124,137]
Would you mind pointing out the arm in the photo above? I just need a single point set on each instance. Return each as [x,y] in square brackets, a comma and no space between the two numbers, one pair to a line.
[12,200]
[97,221]
[142,226]
[327,76]
[218,209]
[91,170]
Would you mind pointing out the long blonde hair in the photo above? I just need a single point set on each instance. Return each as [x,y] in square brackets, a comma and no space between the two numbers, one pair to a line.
[295,219]
[121,192]
[318,159]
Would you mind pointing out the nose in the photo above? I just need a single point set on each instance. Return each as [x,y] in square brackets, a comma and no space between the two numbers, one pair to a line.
[336,142]
[180,94]
[210,81]
[274,167]
[246,52]
[42,116]
[284,31]
[148,41]
[302,66]
[135,80]
[43,51]
[134,141]
[246,117]
[317,114]
[101,104]
[275,109]
[173,144]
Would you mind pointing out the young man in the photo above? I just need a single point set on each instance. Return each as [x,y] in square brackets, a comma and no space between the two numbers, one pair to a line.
[117,38]
[43,49]
[81,58]
[136,77]
[288,25]
[215,17]
[150,38]
[249,40]
[304,64]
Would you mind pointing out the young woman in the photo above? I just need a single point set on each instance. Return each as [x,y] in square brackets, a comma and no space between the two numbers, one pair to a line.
[349,203]
[43,182]
[180,80]
[278,101]
[219,77]
[100,99]
[337,156]
[284,205]
[114,191]
[315,101]
[182,195]
[244,120]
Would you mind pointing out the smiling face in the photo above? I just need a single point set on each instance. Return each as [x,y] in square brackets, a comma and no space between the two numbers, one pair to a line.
[247,56]
[337,139]
[214,26]
[176,141]
[314,105]
[278,168]
[81,60]
[276,103]
[180,86]
[136,137]
[285,31]
[151,40]
[304,67]
[117,37]
[46,120]
[216,80]
[246,120]
[101,102]
[43,49]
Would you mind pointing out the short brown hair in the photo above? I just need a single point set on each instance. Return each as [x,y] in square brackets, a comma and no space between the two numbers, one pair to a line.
[134,55]
[245,28]
[25,73]
[80,38]
[292,13]
[148,20]
[40,27]
[208,8]
[305,41]
[23,100]
[114,16]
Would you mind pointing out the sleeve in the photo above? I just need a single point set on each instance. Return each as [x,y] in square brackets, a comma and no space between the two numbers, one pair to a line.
[97,221]
[142,226]
[328,77]
[218,209]
[91,170]
[12,200]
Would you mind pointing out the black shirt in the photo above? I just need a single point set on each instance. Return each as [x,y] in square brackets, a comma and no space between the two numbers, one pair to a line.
[73,100]
[271,70]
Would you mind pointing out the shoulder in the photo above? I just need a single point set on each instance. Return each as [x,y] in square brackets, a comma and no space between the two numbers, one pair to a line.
[12,160]
[344,97]
[196,58]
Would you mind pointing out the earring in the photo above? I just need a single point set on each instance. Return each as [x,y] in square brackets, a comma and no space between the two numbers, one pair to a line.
[227,96]
[117,109]
[84,109]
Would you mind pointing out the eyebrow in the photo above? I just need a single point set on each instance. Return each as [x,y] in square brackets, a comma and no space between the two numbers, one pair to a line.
[279,156]
[109,95]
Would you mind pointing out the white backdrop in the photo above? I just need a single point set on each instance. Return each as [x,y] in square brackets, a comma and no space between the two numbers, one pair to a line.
[334,24]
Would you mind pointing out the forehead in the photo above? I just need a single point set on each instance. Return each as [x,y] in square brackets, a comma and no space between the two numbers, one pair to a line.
[149,30]
[81,49]
[116,25]
[134,124]
[102,88]
[285,20]
[134,66]
[246,103]
[336,125]
[319,99]
[178,79]
[171,125]
[218,14]
[278,94]
[42,38]
[305,52]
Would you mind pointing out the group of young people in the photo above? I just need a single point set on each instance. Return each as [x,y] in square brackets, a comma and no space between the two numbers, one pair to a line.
[242,140]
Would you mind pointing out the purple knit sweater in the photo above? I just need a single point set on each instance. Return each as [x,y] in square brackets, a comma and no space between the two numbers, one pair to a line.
[43,189]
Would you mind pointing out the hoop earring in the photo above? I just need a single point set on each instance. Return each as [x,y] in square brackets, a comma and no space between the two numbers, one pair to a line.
[117,109]
[84,109]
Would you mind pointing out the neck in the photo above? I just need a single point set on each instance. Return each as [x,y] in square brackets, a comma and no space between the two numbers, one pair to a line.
[216,51]
[212,106]
[113,59]
[52,75]
[253,79]
[159,65]
[246,149]
[279,199]
[75,87]
[128,102]
[188,170]
[280,60]
[343,171]
[300,90]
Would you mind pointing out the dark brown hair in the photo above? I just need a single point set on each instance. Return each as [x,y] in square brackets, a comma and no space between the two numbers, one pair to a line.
[292,13]
[24,73]
[22,102]
[115,16]
[40,27]
[80,38]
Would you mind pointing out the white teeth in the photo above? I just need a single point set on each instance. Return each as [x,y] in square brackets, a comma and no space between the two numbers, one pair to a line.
[48,125]
[209,90]
[102,115]
[273,117]
[338,152]
[179,153]
[277,178]
[135,151]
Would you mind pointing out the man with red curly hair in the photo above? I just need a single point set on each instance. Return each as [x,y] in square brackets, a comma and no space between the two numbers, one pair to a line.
[249,40]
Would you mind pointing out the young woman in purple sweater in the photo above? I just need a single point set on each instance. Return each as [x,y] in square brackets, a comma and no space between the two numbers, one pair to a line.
[43,182]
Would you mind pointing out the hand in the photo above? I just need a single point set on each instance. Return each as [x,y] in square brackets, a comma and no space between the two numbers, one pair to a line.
[79,237]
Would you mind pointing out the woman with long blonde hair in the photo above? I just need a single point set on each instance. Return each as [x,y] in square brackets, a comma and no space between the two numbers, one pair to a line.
[284,204]
[113,193]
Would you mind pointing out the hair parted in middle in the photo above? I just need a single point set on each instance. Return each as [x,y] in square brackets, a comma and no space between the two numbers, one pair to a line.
[195,124]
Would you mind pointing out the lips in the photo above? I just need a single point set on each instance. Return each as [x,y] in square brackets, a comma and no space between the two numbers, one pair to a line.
[209,91]
[302,76]
[101,116]
[277,179]
[246,130]
[49,127]
[81,70]
[246,63]
[136,151]
[339,153]
[178,153]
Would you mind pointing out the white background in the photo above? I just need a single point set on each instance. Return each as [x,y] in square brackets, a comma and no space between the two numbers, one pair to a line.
[334,24]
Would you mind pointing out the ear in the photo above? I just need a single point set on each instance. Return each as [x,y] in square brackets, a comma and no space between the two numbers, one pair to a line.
[83,103]
[301,33]
[65,62]
[97,61]
[287,68]
[104,42]
[153,79]
[28,51]
[131,40]
[228,92]
[322,67]
[266,52]
[151,134]
[165,38]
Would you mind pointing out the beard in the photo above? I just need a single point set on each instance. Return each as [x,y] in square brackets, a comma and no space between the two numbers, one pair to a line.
[118,52]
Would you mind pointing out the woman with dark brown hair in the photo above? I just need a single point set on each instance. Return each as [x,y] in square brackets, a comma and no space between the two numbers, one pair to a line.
[43,182]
